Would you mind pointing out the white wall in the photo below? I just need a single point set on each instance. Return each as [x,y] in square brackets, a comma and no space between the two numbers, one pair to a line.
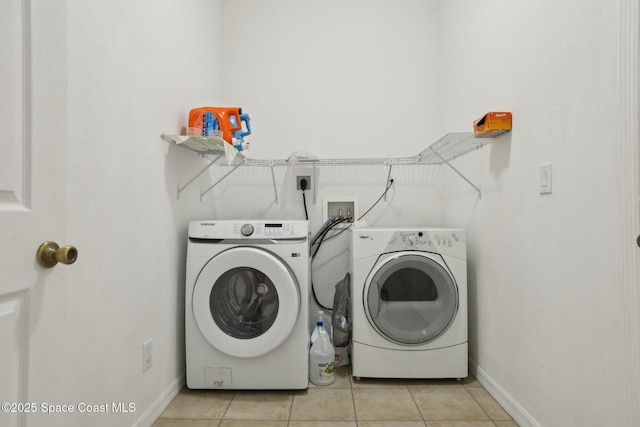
[135,70]
[337,80]
[546,318]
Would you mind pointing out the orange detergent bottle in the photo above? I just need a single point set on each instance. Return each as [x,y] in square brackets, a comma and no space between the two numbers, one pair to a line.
[228,118]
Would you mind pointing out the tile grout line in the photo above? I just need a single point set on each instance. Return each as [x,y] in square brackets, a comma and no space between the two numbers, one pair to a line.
[480,405]
[353,400]
[293,395]
[486,411]
[224,413]
[416,403]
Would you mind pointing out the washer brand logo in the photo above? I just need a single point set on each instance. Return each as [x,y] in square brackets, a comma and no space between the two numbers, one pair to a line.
[207,224]
[296,254]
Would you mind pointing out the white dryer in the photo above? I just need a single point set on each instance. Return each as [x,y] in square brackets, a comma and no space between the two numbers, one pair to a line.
[246,305]
[409,302]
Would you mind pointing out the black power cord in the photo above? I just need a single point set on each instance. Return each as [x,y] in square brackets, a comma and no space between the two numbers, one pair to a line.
[362,216]
[330,224]
[303,186]
[378,201]
[317,242]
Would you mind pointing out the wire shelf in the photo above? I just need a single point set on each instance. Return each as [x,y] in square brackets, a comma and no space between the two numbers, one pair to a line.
[447,148]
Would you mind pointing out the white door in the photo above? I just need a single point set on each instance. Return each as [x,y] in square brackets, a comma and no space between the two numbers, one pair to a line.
[630,195]
[32,206]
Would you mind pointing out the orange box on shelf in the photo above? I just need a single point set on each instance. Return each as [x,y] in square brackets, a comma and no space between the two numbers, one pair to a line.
[492,124]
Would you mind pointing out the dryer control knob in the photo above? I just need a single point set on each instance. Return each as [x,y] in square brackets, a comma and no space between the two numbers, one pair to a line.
[247,230]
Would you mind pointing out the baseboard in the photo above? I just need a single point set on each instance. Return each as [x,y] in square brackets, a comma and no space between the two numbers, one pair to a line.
[160,404]
[513,408]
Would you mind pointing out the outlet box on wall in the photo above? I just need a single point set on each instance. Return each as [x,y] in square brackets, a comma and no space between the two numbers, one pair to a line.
[307,179]
[336,206]
[147,355]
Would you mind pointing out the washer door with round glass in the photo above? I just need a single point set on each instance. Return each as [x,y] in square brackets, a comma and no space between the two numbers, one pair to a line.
[410,297]
[246,301]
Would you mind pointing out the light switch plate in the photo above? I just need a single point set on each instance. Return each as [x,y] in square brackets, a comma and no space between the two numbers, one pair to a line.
[544,172]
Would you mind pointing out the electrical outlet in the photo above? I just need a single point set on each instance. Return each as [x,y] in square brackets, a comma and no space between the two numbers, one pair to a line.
[147,355]
[299,179]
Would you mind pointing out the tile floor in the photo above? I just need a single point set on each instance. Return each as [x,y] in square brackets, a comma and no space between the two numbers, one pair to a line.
[346,403]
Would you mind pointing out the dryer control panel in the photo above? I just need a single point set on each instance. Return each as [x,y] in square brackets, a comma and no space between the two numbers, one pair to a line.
[248,229]
[451,242]
[369,241]
[422,240]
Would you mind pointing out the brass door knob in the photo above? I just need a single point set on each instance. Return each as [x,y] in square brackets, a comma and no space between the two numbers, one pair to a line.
[49,254]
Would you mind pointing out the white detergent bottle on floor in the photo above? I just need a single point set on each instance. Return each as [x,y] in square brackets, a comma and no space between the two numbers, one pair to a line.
[322,360]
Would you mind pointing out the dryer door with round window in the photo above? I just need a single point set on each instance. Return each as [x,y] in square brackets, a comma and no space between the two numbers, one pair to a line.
[246,301]
[411,297]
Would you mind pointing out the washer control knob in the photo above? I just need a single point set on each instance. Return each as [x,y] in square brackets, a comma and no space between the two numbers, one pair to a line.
[247,230]
[411,240]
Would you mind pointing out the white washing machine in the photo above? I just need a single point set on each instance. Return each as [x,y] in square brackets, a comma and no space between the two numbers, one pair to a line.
[409,302]
[246,305]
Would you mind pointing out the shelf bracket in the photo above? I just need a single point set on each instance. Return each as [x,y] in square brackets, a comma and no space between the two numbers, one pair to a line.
[386,185]
[457,171]
[273,180]
[315,183]
[219,181]
[180,189]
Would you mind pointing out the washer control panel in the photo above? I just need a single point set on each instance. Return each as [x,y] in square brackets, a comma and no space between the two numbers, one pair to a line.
[248,229]
[265,229]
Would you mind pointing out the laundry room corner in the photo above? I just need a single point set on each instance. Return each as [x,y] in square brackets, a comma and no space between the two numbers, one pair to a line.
[545,293]
[134,71]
